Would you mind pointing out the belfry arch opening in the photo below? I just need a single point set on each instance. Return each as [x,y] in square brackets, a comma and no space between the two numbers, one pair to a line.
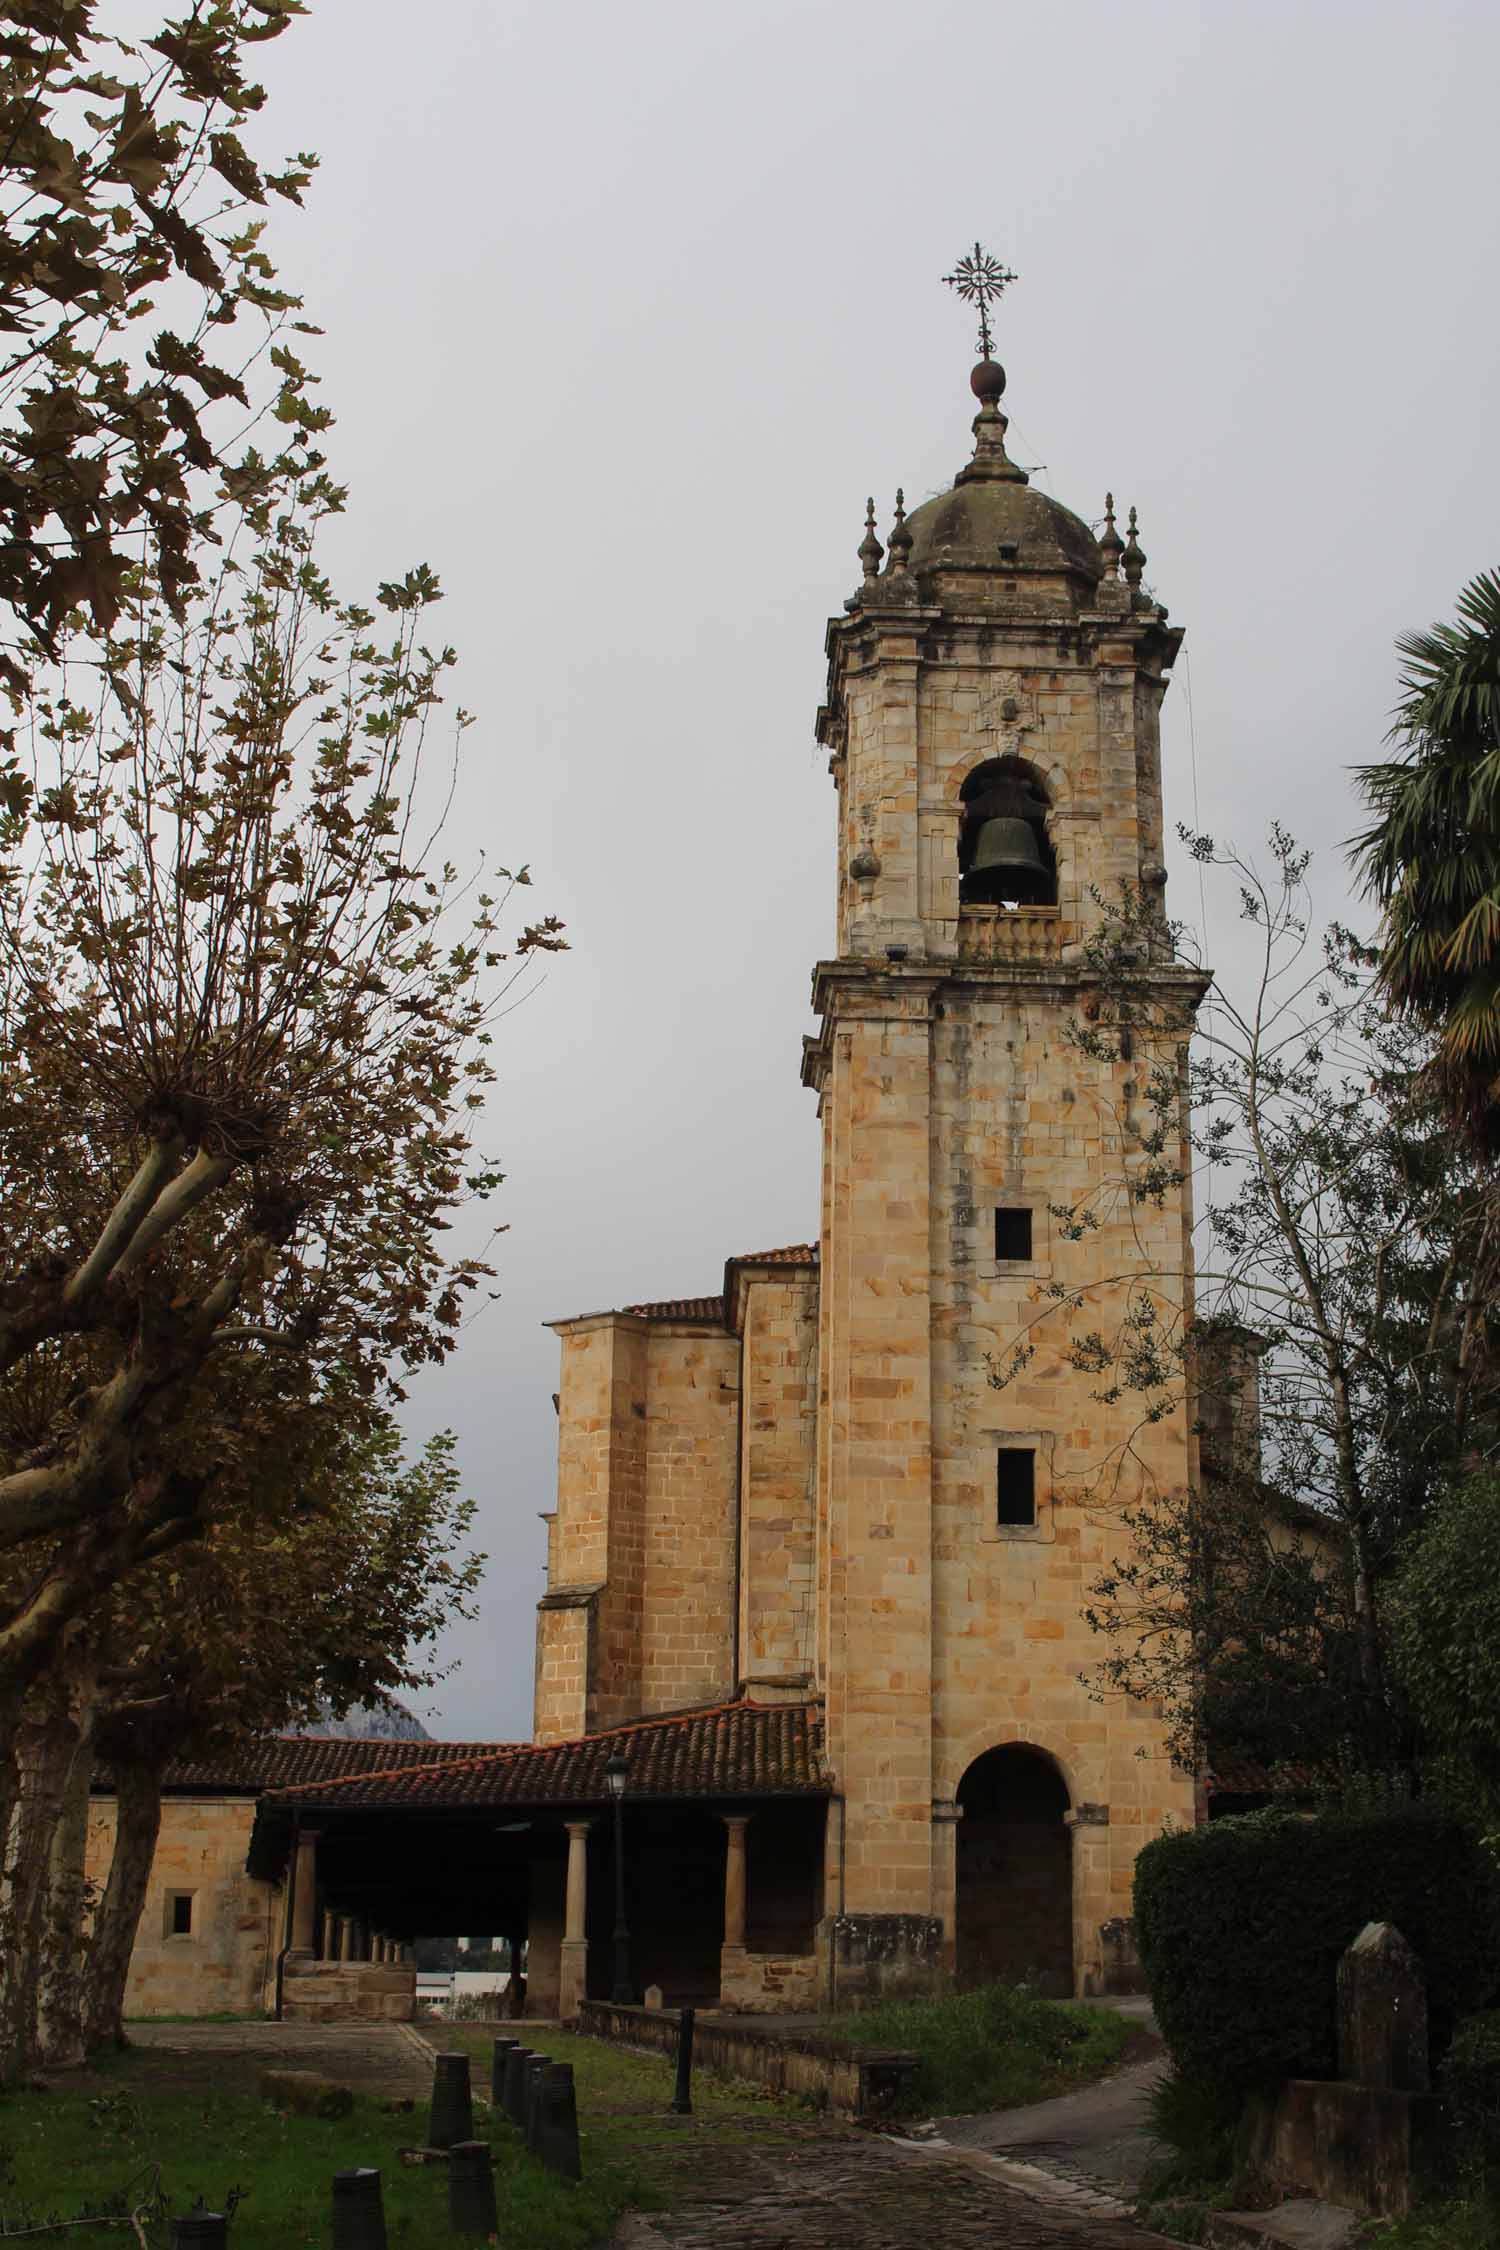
[1005,856]
[1015,1872]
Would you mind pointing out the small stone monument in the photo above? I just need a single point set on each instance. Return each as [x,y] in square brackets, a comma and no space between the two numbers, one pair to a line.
[1347,2140]
[1382,2004]
[653,1996]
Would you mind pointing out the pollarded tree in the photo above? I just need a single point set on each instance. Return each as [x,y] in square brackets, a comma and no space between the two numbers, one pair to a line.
[244,1034]
[326,1566]
[125,187]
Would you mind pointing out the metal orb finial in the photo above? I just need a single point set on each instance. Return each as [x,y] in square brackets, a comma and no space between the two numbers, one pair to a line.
[981,280]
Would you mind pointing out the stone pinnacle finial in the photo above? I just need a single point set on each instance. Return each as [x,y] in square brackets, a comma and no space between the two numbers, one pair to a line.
[901,540]
[1111,546]
[871,552]
[1135,556]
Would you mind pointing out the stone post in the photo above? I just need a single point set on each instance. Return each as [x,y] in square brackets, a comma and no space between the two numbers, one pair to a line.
[302,1935]
[330,1933]
[341,1929]
[732,1952]
[573,1979]
[1382,2012]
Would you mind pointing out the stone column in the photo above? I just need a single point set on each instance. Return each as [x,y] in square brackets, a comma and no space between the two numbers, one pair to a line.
[946,1815]
[573,1980]
[302,1933]
[732,1957]
[341,1929]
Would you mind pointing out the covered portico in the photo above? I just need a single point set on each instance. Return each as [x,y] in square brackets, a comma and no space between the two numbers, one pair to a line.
[720,1865]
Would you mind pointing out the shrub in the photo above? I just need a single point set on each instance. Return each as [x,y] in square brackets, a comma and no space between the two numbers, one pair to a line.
[1469,2088]
[1241,1924]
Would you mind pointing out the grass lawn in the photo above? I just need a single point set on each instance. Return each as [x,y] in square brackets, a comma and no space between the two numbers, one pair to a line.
[994,2047]
[1446,2226]
[61,2152]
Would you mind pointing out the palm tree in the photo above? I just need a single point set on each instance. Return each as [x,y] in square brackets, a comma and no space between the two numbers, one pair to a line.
[1431,857]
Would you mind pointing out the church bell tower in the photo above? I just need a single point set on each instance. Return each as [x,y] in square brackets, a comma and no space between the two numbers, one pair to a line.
[992,719]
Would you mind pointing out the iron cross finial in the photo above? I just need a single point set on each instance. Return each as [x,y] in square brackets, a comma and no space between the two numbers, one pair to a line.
[979,279]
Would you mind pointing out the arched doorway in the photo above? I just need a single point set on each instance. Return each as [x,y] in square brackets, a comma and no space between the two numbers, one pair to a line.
[1015,1872]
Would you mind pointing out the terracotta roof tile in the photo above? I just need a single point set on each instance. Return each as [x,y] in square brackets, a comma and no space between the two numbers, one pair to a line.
[732,1750]
[280,1761]
[679,1308]
[794,1254]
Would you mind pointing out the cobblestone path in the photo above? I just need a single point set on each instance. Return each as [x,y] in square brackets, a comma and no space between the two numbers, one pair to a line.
[865,2193]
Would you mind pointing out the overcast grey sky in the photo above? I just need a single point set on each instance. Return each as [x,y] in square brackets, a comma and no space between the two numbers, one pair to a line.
[627,309]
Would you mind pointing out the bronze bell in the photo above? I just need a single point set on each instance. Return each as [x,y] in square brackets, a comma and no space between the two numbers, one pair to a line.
[1007,848]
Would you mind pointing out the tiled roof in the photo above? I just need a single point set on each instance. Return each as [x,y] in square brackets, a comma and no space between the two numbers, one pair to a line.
[711,1310]
[732,1750]
[280,1761]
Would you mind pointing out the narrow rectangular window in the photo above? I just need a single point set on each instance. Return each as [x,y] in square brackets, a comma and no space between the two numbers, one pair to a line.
[1012,1234]
[1015,1486]
[182,1914]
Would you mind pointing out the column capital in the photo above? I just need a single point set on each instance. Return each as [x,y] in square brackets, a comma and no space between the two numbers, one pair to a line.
[578,1827]
[736,1820]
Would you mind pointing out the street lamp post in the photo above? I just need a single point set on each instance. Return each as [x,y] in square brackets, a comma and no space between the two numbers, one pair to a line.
[616,1773]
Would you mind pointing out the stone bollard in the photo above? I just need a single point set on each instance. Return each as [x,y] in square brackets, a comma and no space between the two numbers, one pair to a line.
[501,2049]
[358,2212]
[556,2141]
[536,2069]
[515,2084]
[1382,2012]
[200,2229]
[471,2189]
[452,2114]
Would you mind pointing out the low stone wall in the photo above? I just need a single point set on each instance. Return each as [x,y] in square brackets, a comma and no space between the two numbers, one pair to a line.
[770,1984]
[348,1992]
[838,2074]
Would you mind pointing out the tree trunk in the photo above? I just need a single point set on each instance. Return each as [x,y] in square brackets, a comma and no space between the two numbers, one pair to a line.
[50,1734]
[137,1823]
[64,1922]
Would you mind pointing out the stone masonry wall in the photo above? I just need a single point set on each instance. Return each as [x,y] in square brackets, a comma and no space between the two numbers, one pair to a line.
[223,1965]
[638,1616]
[777,1484]
[687,1604]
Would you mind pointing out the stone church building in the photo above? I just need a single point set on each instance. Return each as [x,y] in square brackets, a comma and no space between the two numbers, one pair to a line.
[814,1573]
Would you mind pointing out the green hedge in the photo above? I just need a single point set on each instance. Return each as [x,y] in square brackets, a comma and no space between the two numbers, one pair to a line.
[1469,2085]
[1240,1925]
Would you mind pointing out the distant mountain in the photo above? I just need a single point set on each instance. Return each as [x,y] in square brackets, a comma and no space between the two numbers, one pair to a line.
[385,1721]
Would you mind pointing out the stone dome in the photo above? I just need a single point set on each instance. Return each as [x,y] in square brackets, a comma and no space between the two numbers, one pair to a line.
[989,523]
